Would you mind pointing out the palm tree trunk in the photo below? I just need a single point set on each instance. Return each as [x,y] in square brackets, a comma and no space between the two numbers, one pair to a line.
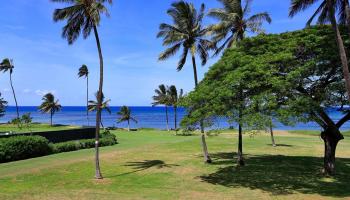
[175,116]
[272,137]
[341,48]
[207,158]
[51,115]
[128,125]
[167,118]
[240,159]
[98,174]
[14,95]
[347,14]
[87,99]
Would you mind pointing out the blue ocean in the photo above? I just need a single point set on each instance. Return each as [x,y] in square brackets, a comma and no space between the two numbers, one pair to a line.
[147,117]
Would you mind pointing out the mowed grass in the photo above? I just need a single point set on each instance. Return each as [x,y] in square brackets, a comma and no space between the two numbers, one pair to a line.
[35,127]
[152,164]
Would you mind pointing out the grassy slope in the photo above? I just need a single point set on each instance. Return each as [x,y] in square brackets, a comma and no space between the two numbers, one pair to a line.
[157,165]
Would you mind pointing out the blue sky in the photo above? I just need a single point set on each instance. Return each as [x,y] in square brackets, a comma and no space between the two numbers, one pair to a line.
[45,62]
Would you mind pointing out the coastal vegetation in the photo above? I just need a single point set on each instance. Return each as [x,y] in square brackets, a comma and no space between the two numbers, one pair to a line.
[50,105]
[84,17]
[124,115]
[93,105]
[3,105]
[162,98]
[84,72]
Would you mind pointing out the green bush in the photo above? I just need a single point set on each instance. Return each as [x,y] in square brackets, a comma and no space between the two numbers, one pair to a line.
[106,139]
[23,147]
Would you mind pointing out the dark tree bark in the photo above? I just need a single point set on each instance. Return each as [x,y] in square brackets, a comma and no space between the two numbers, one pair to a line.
[341,48]
[207,158]
[331,136]
[87,99]
[51,115]
[240,159]
[98,174]
[272,137]
[167,118]
[129,125]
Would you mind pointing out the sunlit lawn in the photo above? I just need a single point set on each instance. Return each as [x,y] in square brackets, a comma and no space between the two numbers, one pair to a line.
[158,165]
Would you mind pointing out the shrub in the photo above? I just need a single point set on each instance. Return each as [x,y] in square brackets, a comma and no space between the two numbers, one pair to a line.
[107,139]
[23,147]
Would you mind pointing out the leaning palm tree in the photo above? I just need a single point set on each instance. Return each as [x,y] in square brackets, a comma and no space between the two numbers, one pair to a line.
[3,105]
[7,66]
[161,98]
[187,32]
[326,12]
[93,105]
[175,98]
[50,105]
[84,72]
[235,22]
[84,16]
[125,115]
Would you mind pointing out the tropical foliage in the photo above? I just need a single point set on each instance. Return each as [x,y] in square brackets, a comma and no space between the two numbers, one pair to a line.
[84,16]
[235,22]
[3,105]
[298,74]
[125,115]
[161,98]
[7,66]
[50,105]
[84,72]
[93,105]
[174,100]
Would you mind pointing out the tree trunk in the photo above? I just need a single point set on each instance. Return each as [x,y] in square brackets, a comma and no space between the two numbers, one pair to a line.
[331,137]
[129,125]
[51,115]
[207,158]
[167,118]
[98,174]
[240,160]
[272,137]
[175,116]
[14,95]
[87,99]
[342,52]
[347,13]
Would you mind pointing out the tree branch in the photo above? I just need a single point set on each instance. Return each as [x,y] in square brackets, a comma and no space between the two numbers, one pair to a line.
[342,121]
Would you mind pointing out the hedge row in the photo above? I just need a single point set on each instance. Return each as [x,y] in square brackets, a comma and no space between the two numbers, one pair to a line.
[24,147]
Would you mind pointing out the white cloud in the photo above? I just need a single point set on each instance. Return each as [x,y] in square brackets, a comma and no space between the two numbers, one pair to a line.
[27,91]
[43,92]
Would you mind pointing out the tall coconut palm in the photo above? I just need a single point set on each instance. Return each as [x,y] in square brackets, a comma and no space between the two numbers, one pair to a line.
[235,22]
[50,105]
[161,98]
[326,12]
[93,105]
[84,72]
[187,32]
[84,16]
[175,98]
[125,115]
[3,105]
[7,66]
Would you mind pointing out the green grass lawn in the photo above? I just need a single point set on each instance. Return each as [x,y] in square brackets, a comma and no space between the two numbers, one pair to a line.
[151,164]
[315,133]
[35,127]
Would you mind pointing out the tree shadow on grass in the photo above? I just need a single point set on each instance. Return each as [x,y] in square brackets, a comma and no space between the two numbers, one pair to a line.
[146,164]
[281,175]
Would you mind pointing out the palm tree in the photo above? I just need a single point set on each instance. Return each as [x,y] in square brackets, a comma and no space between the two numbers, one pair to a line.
[3,105]
[187,32]
[161,98]
[93,105]
[175,97]
[7,66]
[84,72]
[84,16]
[326,12]
[234,22]
[50,105]
[125,115]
